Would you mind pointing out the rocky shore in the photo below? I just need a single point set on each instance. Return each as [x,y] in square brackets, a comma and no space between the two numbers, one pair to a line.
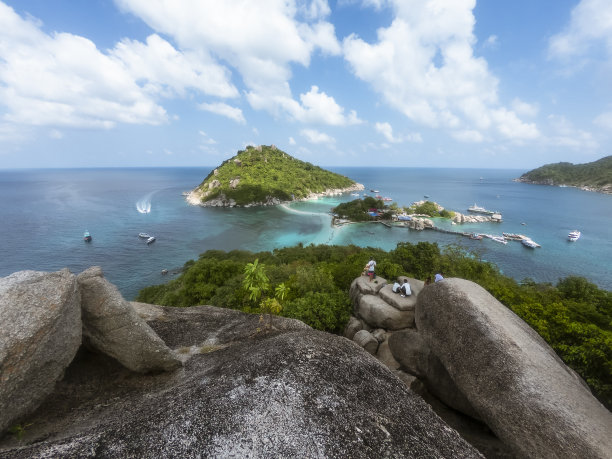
[606,189]
[194,197]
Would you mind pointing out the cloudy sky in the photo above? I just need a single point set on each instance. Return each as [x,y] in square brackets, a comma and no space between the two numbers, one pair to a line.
[449,83]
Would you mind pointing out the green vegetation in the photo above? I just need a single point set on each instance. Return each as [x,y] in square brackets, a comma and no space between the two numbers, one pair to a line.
[357,210]
[597,175]
[312,283]
[429,208]
[258,174]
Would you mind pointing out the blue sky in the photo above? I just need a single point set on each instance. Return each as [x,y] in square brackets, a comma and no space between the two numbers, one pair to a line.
[449,83]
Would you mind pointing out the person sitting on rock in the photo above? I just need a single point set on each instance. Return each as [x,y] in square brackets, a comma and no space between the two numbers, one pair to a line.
[438,277]
[396,287]
[405,289]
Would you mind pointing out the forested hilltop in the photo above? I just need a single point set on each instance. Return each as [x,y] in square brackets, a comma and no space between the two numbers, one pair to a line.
[595,176]
[265,175]
[312,284]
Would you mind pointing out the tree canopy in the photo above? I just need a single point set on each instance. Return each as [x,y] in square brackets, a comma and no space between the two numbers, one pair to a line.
[257,174]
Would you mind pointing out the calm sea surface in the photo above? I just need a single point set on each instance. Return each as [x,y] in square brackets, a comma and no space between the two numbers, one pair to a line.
[43,214]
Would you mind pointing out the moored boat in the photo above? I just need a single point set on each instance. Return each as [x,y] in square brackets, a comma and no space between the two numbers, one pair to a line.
[574,235]
[500,239]
[151,239]
[480,210]
[87,236]
[476,236]
[529,243]
[144,235]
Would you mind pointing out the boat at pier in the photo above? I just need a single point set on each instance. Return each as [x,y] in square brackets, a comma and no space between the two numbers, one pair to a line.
[500,239]
[573,235]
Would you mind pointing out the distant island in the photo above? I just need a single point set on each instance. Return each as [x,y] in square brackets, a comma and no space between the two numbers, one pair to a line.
[265,175]
[594,176]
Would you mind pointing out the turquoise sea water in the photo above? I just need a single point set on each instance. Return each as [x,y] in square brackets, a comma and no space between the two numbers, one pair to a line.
[44,213]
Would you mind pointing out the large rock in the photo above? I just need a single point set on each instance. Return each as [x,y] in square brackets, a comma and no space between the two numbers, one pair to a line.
[40,333]
[282,391]
[514,380]
[366,340]
[112,326]
[414,356]
[379,314]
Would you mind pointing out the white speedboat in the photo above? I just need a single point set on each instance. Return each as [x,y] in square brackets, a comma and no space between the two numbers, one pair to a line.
[480,210]
[500,239]
[529,243]
[144,235]
[573,235]
[151,239]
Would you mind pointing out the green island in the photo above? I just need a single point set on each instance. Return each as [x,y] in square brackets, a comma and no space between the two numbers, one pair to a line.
[593,176]
[372,209]
[311,283]
[265,175]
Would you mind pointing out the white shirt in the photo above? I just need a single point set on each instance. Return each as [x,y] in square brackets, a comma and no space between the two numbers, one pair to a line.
[395,287]
[371,265]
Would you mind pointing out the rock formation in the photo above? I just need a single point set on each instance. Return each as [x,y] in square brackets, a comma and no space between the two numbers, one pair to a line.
[111,326]
[247,390]
[465,349]
[509,374]
[40,333]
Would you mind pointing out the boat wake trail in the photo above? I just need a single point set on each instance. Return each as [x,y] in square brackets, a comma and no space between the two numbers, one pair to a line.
[295,211]
[143,205]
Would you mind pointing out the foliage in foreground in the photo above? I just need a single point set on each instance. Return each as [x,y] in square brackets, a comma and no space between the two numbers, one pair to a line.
[312,283]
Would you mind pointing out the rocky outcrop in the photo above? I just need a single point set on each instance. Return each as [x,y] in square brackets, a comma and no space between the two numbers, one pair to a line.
[247,391]
[112,326]
[40,333]
[511,377]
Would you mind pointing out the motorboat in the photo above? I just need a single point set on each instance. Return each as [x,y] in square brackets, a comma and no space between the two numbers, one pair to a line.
[87,236]
[475,236]
[573,235]
[144,235]
[480,210]
[529,243]
[150,239]
[500,239]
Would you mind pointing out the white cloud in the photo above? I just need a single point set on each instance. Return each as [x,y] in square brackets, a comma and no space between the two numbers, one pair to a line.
[590,27]
[564,134]
[316,9]
[387,131]
[292,141]
[423,65]
[223,109]
[318,107]
[525,109]
[314,136]
[604,120]
[206,139]
[64,80]
[261,40]
[170,72]
[491,42]
[468,135]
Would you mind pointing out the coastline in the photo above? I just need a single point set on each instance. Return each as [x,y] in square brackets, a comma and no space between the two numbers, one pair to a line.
[607,189]
[194,198]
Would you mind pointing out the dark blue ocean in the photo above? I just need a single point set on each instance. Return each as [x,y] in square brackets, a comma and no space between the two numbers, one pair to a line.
[44,213]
